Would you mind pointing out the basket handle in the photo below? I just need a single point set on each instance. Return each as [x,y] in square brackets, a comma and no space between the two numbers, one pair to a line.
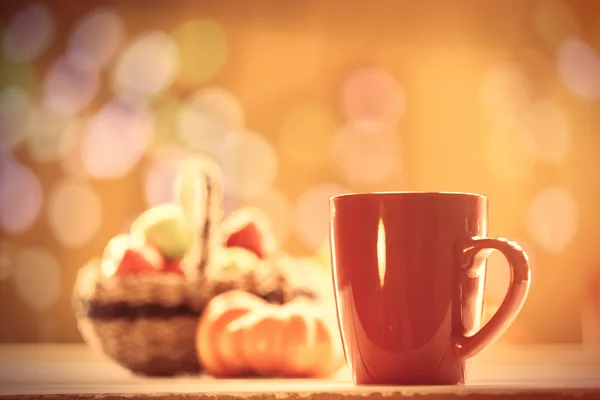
[198,190]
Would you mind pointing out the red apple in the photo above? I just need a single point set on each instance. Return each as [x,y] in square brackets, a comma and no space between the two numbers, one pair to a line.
[248,228]
[125,255]
[144,260]
[248,237]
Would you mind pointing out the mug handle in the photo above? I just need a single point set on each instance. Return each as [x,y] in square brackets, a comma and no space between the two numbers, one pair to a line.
[520,277]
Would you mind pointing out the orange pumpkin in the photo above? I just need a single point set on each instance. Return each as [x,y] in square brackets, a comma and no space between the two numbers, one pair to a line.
[241,334]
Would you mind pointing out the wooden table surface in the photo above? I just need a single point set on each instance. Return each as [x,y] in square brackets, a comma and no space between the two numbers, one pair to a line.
[74,371]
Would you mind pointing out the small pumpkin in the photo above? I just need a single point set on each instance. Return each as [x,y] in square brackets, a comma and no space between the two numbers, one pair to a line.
[240,334]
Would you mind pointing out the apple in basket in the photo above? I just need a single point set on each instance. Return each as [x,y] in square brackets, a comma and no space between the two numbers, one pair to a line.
[249,229]
[159,239]
[130,255]
[166,228]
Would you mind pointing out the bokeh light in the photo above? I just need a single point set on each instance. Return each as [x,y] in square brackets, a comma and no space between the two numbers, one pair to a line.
[166,112]
[373,95]
[114,140]
[70,86]
[230,203]
[74,213]
[553,21]
[546,134]
[498,272]
[22,75]
[149,65]
[552,218]
[312,213]
[305,136]
[278,208]
[37,277]
[69,150]
[506,91]
[364,157]
[24,43]
[124,94]
[579,68]
[126,227]
[7,262]
[250,167]
[203,48]
[210,118]
[507,158]
[96,38]
[161,174]
[20,196]
[220,103]
[14,109]
[45,130]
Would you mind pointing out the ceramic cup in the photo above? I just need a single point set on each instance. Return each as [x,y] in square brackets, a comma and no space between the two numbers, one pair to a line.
[409,275]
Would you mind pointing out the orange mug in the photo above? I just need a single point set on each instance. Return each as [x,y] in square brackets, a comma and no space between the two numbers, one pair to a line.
[409,275]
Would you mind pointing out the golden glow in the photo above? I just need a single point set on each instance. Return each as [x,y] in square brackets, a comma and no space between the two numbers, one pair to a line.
[38,277]
[209,119]
[507,159]
[14,108]
[165,123]
[22,197]
[552,218]
[74,213]
[96,38]
[251,166]
[578,63]
[21,75]
[305,136]
[506,91]
[102,152]
[22,44]
[47,132]
[133,72]
[364,158]
[373,94]
[161,175]
[381,251]
[312,213]
[203,48]
[197,78]
[553,22]
[69,87]
[278,207]
[546,132]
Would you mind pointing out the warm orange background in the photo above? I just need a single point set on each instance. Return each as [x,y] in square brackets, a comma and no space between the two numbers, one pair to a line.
[287,63]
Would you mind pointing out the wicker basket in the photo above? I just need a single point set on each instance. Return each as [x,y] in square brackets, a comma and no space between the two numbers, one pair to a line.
[146,324]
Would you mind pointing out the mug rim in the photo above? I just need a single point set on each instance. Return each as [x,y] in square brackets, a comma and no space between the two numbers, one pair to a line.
[408,193]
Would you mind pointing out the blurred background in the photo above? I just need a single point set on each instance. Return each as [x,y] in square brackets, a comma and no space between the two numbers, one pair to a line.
[100,100]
